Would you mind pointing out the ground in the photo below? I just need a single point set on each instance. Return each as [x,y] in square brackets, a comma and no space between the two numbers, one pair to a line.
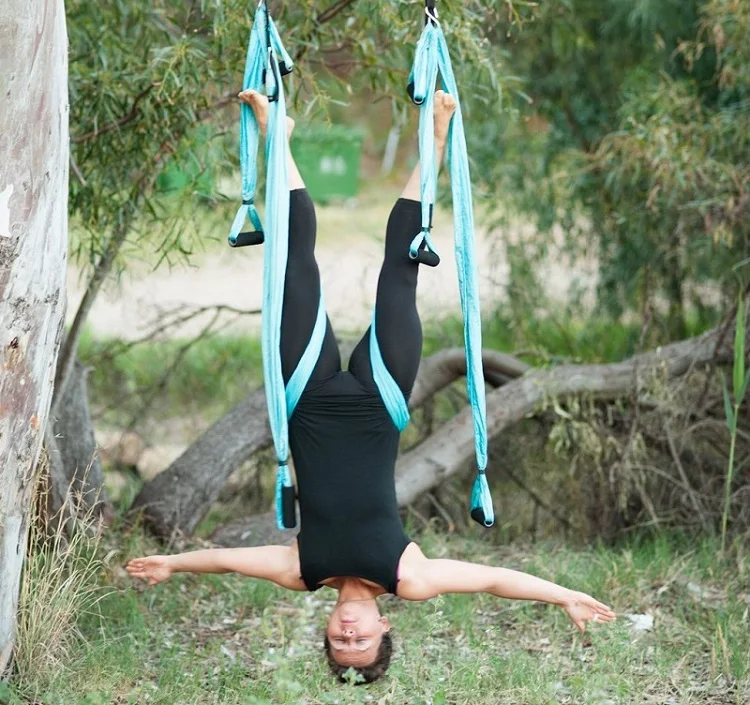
[230,640]
[349,252]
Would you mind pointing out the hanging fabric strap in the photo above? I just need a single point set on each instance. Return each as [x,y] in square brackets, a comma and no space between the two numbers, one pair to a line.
[267,61]
[390,392]
[432,60]
[264,47]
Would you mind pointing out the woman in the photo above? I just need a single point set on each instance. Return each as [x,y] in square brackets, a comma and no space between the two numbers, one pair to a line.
[344,445]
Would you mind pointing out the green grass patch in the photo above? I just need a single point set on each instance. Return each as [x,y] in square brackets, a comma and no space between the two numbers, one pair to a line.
[216,372]
[211,375]
[227,639]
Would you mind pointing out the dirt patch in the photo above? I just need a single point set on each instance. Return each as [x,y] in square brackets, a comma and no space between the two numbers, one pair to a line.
[349,253]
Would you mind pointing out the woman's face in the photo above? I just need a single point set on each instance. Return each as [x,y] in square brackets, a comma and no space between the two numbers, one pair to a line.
[355,630]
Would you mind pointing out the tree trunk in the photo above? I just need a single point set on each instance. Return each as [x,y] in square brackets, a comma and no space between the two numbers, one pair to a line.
[451,448]
[76,479]
[178,498]
[33,250]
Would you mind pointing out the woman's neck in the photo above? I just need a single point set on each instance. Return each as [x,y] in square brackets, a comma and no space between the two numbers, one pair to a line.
[354,589]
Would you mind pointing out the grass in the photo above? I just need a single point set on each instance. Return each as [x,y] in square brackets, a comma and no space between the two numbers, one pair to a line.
[226,639]
[213,375]
[60,585]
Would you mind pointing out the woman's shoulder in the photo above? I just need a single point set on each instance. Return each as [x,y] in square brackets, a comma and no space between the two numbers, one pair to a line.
[292,575]
[411,573]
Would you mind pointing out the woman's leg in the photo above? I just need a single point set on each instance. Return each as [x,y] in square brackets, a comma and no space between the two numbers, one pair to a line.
[398,328]
[302,294]
[302,281]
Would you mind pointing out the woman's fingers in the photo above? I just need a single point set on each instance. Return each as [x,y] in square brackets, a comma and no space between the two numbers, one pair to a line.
[599,607]
[141,568]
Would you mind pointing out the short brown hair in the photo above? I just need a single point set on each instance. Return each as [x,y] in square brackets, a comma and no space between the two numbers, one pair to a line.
[368,673]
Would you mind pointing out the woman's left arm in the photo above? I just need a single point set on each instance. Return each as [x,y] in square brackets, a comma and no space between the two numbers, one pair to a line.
[439,576]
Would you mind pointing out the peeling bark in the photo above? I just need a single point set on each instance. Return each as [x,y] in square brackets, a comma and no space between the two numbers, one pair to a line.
[33,251]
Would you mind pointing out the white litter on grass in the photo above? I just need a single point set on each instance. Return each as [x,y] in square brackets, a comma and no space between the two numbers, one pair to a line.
[641,622]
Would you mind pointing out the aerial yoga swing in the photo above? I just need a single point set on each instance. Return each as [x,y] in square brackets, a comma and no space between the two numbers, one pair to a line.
[343,426]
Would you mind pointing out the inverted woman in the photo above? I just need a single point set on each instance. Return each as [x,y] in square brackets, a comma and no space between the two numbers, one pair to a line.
[344,445]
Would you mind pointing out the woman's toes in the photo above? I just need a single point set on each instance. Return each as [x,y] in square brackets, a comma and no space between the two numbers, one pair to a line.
[449,102]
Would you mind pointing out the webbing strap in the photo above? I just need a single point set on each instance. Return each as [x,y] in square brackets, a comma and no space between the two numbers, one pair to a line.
[256,65]
[301,375]
[262,71]
[432,59]
[390,392]
[274,270]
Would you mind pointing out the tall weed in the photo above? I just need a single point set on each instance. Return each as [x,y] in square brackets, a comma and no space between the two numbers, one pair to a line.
[61,582]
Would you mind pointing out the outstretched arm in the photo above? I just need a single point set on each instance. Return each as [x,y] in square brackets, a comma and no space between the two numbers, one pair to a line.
[439,576]
[279,564]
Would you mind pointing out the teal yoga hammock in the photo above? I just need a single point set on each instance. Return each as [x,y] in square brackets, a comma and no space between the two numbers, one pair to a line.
[267,61]
[431,61]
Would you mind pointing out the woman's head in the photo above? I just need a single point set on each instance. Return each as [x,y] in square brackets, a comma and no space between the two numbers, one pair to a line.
[357,636]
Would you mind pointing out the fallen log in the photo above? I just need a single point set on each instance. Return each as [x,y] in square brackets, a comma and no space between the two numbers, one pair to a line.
[452,447]
[178,498]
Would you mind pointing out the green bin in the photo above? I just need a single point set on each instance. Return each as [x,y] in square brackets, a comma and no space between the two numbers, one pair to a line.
[328,157]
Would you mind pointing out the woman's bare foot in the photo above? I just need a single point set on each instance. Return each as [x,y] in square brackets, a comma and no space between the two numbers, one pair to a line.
[445,106]
[259,103]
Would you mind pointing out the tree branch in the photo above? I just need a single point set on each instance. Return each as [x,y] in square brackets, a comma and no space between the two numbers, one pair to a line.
[452,447]
[325,16]
[132,115]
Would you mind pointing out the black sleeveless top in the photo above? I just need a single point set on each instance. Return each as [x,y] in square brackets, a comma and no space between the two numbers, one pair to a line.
[344,446]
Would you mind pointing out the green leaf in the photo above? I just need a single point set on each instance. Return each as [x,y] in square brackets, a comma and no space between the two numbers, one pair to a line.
[727,403]
[739,352]
[4,692]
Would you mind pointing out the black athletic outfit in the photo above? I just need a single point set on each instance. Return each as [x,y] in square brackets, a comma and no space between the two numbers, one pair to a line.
[342,439]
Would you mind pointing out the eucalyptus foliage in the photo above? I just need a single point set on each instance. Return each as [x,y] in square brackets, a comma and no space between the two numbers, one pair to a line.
[144,73]
[636,138]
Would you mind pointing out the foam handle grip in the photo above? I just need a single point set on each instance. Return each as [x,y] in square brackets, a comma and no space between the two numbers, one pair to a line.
[288,515]
[428,258]
[254,237]
[477,514]
[410,91]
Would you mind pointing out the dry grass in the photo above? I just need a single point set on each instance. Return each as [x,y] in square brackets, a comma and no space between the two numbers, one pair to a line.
[60,583]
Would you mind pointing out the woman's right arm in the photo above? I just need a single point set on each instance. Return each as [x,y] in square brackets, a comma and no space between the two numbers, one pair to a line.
[279,564]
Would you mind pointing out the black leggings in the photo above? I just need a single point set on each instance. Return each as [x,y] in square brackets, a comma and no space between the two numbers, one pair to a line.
[399,330]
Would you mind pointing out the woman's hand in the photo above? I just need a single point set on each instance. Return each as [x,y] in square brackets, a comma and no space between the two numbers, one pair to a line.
[154,569]
[582,608]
